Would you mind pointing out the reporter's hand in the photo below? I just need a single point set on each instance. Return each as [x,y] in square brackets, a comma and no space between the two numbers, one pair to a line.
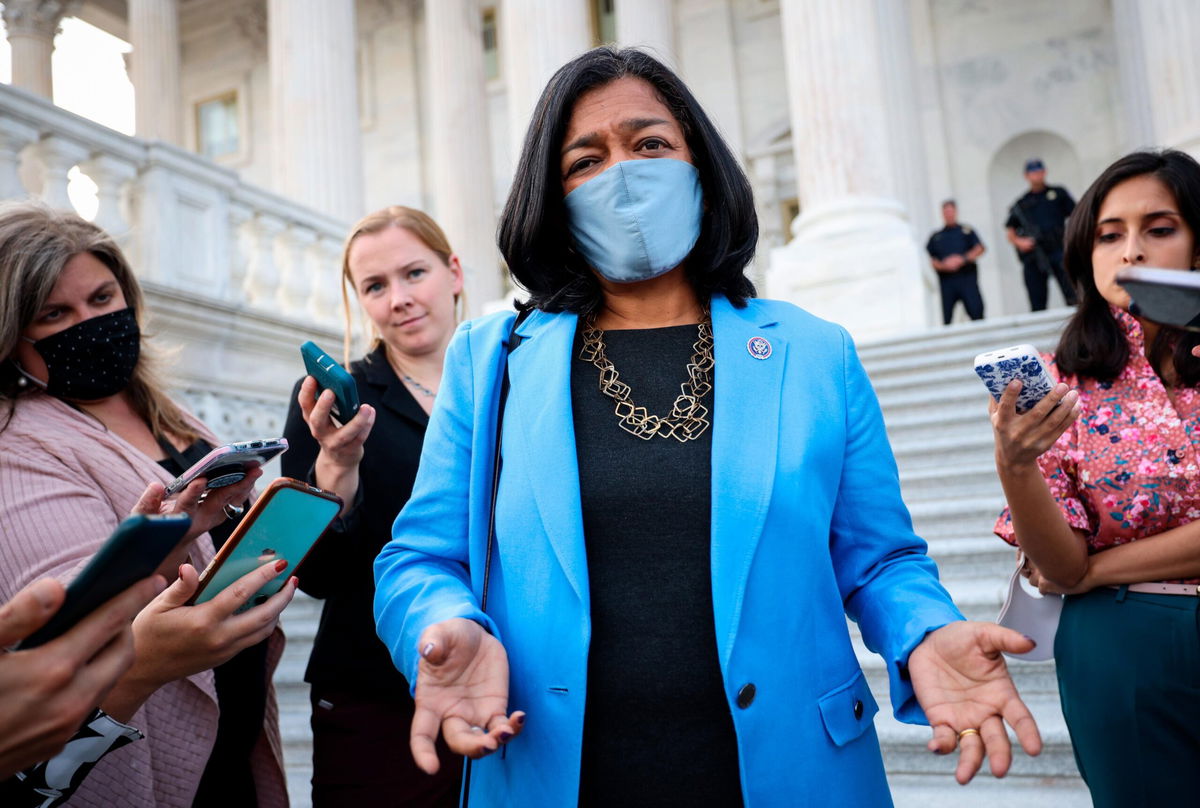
[341,446]
[174,640]
[1047,587]
[206,509]
[1022,438]
[462,691]
[47,692]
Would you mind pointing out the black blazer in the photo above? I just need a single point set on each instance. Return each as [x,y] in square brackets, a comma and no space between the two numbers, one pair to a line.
[347,654]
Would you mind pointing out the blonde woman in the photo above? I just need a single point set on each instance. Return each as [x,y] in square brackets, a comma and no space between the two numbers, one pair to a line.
[399,268]
[83,425]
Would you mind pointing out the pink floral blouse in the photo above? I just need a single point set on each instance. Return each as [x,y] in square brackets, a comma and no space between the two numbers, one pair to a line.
[1128,467]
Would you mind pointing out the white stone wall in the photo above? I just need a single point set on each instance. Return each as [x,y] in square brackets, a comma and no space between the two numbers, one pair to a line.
[1011,68]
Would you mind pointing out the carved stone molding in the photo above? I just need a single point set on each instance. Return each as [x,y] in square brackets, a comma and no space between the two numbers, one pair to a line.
[38,18]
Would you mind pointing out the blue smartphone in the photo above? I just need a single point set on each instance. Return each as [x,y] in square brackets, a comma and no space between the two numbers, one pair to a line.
[133,552]
[284,523]
[331,376]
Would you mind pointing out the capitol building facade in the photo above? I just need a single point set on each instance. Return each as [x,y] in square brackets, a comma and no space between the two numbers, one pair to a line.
[263,128]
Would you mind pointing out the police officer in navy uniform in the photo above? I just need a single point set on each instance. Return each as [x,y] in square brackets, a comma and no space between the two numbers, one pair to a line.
[1035,226]
[953,251]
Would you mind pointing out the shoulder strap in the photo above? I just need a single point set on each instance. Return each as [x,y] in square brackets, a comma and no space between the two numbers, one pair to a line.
[511,344]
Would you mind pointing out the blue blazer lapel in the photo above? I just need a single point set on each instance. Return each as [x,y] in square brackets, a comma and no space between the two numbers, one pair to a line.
[540,406]
[747,398]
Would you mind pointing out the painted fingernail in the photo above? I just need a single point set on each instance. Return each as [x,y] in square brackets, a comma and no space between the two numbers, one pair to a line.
[519,720]
[1031,639]
[281,565]
[427,650]
[505,737]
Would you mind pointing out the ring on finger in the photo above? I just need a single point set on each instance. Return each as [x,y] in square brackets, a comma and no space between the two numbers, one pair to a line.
[962,733]
[233,511]
[477,729]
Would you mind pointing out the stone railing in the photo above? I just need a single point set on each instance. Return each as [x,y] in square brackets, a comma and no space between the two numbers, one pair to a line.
[186,223]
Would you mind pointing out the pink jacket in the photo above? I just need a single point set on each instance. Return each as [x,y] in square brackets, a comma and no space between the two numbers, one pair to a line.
[65,483]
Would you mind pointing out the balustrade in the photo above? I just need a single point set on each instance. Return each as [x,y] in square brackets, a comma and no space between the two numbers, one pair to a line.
[187,223]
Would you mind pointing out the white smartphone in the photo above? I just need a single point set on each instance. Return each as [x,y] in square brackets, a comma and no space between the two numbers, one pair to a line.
[999,368]
[228,464]
[1168,296]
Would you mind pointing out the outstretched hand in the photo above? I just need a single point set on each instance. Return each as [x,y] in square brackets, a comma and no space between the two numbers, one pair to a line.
[462,690]
[962,683]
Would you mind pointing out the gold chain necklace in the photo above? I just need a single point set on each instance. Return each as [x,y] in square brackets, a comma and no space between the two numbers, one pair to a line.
[688,418]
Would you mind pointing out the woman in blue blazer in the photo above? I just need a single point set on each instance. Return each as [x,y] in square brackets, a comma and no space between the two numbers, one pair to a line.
[696,488]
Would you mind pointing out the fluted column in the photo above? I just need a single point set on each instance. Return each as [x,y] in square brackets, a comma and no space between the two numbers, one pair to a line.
[316,138]
[650,25]
[1158,63]
[31,26]
[154,69]
[854,258]
[537,38]
[458,115]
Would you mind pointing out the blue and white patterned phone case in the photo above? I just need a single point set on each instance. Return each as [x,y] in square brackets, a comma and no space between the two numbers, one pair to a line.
[998,368]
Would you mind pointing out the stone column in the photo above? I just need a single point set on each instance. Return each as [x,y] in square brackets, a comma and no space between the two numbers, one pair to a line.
[32,26]
[537,38]
[462,187]
[154,69]
[648,24]
[854,258]
[1158,65]
[316,139]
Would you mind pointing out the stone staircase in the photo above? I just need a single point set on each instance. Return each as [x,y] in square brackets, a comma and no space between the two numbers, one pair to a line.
[936,414]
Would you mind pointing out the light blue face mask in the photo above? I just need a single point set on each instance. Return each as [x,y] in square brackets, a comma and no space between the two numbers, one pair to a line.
[638,219]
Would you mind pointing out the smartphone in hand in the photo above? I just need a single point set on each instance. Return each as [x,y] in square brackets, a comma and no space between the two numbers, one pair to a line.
[228,464]
[997,369]
[284,523]
[1167,296]
[331,376]
[133,552]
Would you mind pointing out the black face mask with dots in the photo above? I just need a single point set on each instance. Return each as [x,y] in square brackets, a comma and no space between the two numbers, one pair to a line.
[93,359]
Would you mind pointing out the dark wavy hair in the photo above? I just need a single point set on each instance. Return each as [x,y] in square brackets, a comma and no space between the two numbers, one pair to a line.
[1093,344]
[533,234]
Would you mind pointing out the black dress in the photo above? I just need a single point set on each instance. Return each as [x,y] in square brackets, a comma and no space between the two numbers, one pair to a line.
[657,726]
[362,709]
[241,685]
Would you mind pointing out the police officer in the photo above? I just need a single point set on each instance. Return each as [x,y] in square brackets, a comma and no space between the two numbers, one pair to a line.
[953,251]
[1035,226]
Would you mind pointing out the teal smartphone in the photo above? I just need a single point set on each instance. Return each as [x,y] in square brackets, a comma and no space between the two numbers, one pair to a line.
[133,552]
[331,376]
[284,523]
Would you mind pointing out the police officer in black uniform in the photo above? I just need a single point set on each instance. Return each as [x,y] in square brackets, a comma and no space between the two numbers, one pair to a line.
[1035,226]
[953,251]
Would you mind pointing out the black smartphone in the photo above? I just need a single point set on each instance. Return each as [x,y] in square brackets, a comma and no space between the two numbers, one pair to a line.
[132,552]
[1167,296]
[331,376]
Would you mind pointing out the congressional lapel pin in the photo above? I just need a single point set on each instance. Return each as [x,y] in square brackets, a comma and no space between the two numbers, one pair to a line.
[758,347]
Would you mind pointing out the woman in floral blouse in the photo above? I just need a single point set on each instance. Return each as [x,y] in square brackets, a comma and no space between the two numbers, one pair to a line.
[1103,484]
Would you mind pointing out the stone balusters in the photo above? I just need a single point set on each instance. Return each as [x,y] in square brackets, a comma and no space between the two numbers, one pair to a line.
[53,157]
[112,176]
[297,269]
[15,137]
[261,283]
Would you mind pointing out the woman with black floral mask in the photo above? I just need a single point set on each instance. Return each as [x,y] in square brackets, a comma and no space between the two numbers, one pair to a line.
[84,423]
[695,490]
